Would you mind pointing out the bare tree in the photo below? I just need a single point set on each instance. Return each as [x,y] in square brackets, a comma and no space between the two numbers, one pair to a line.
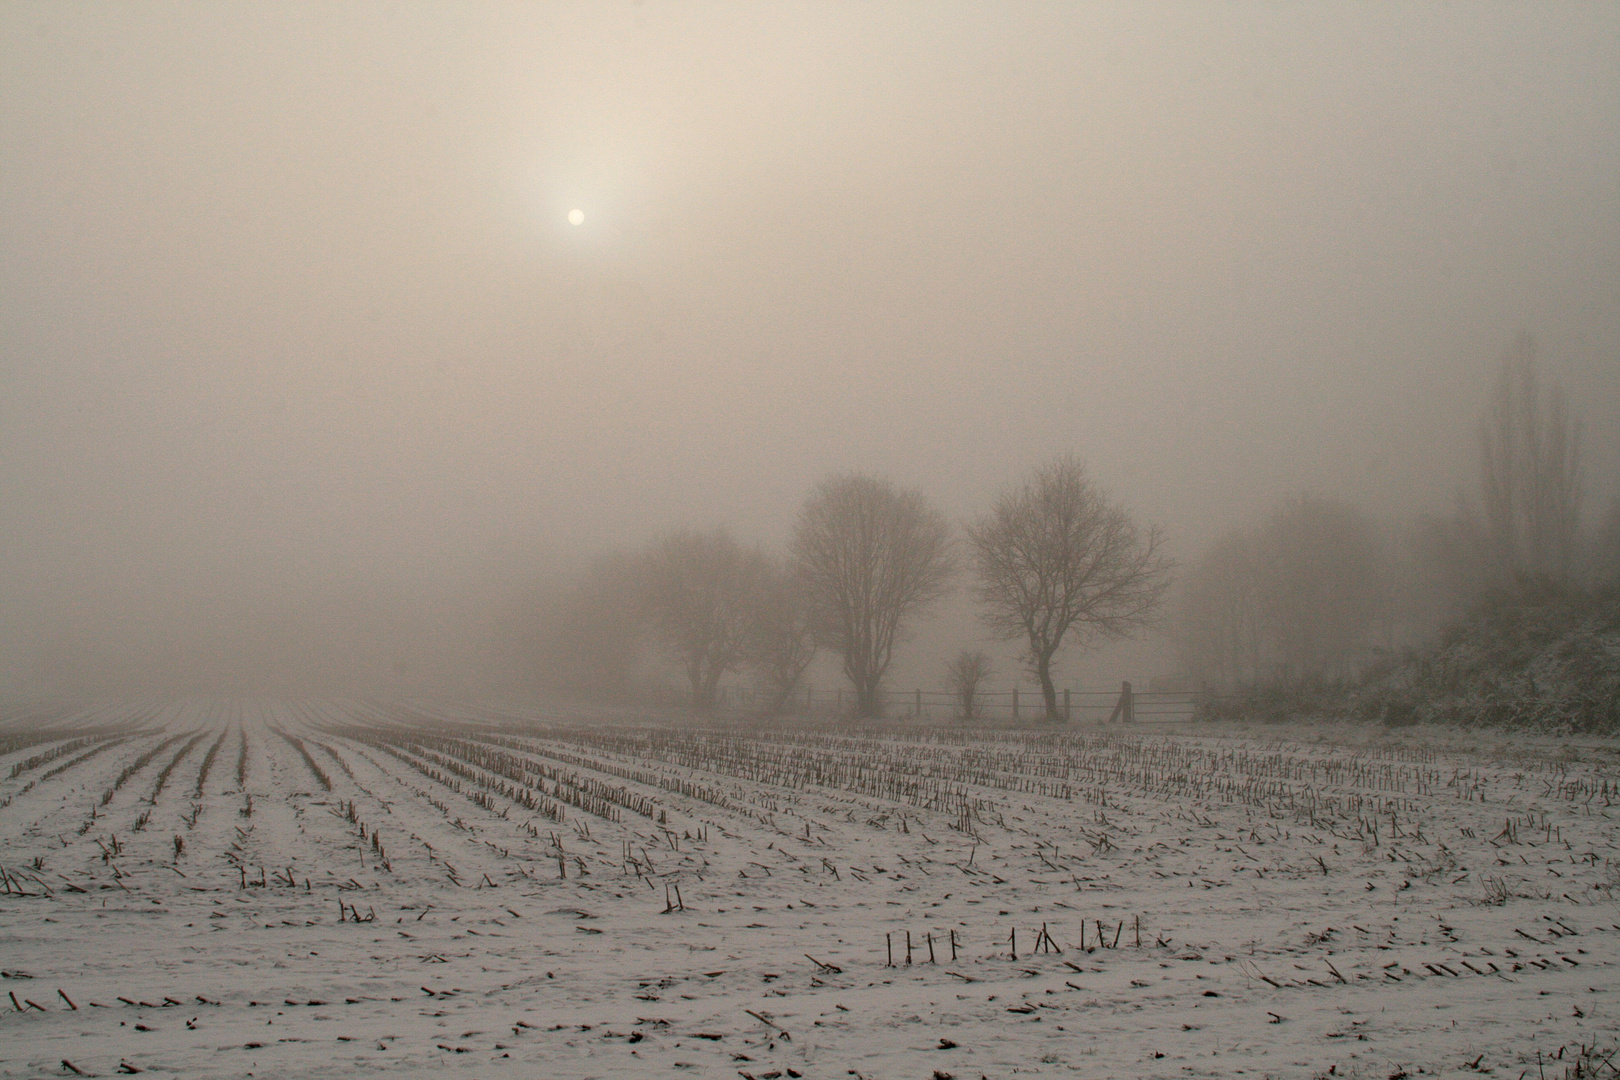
[1056,558]
[1530,470]
[870,556]
[1296,597]
[964,675]
[701,592]
[781,640]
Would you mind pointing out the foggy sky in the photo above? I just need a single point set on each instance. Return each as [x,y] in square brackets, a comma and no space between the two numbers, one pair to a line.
[295,336]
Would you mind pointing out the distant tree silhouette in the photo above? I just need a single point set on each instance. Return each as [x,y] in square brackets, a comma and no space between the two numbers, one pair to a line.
[701,593]
[781,638]
[964,675]
[1319,584]
[1530,471]
[1294,598]
[1219,623]
[1057,560]
[870,556]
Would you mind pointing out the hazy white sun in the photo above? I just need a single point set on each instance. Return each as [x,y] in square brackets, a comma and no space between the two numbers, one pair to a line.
[576,217]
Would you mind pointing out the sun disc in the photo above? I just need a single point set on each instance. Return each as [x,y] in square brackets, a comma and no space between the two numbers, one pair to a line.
[576,217]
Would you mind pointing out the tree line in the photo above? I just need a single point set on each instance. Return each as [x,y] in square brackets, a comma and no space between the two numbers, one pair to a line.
[1055,562]
[1310,592]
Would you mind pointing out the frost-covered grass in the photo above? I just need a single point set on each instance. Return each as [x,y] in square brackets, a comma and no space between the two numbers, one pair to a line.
[489,894]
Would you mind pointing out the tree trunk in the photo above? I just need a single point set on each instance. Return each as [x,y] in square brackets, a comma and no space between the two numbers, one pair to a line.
[1043,671]
[865,677]
[704,687]
[780,698]
[868,699]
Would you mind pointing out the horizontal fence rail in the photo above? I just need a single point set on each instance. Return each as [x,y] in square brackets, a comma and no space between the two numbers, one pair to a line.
[1019,704]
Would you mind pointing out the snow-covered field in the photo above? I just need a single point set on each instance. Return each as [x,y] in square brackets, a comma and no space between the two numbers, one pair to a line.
[275,890]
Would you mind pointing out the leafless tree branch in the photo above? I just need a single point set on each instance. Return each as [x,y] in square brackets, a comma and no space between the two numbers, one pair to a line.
[701,592]
[870,556]
[1056,560]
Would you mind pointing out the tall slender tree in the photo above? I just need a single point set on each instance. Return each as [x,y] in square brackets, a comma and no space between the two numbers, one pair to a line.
[1530,470]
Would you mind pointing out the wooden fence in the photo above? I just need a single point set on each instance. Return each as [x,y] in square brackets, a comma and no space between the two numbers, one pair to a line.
[1017,705]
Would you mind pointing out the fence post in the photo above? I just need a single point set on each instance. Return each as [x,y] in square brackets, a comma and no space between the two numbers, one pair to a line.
[1125,707]
[1015,703]
[916,706]
[840,708]
[1067,715]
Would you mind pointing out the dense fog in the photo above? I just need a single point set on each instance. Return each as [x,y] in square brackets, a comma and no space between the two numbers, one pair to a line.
[311,384]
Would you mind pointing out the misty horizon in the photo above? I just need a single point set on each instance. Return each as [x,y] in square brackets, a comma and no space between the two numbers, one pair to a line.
[312,384]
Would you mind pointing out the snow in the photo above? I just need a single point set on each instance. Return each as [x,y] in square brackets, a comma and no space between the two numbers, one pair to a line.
[1251,922]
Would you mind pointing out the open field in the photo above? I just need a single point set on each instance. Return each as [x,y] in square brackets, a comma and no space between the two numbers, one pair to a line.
[272,889]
